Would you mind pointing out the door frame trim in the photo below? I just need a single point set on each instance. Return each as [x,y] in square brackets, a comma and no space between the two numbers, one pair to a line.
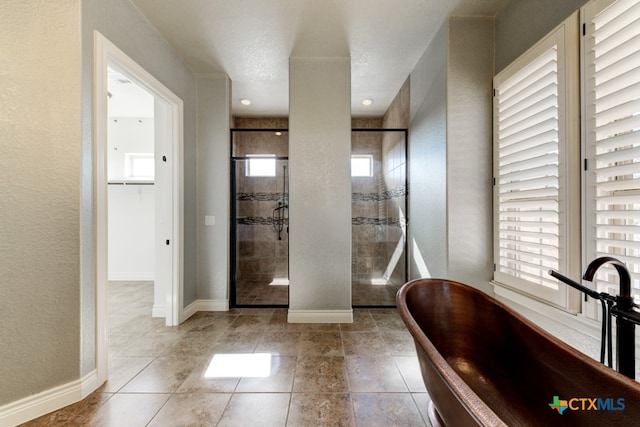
[105,54]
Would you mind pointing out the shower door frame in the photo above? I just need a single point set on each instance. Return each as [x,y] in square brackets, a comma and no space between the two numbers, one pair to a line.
[406,206]
[234,225]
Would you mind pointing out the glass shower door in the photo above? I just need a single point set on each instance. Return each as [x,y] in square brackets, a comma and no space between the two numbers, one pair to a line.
[260,226]
[379,223]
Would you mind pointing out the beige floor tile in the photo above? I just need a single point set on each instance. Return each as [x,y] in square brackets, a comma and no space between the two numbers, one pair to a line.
[374,374]
[163,375]
[387,320]
[318,374]
[72,415]
[250,323]
[197,344]
[364,344]
[321,343]
[362,321]
[235,342]
[399,343]
[199,382]
[386,409]
[256,409]
[321,410]
[410,369]
[127,410]
[321,374]
[280,378]
[279,343]
[124,369]
[151,344]
[197,410]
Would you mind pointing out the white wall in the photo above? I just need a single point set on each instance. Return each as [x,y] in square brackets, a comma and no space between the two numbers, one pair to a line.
[131,207]
[320,189]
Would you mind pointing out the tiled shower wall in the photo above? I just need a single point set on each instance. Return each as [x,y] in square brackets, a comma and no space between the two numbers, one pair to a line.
[394,169]
[261,257]
[367,207]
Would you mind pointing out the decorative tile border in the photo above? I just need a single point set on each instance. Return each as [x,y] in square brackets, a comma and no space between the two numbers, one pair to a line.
[258,197]
[380,197]
[259,220]
[392,221]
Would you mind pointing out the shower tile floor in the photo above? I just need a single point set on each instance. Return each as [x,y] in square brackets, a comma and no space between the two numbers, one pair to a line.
[263,293]
[360,374]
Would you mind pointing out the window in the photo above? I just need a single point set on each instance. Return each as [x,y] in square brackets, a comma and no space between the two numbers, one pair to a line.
[535,135]
[611,142]
[361,165]
[261,165]
[139,166]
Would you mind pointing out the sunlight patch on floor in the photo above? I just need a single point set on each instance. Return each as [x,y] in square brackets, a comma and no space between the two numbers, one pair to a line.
[246,365]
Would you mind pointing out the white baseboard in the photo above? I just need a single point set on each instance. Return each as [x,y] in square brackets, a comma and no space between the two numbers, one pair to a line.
[131,276]
[35,406]
[159,310]
[320,316]
[204,305]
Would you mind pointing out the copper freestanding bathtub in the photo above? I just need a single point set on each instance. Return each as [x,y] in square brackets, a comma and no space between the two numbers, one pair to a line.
[484,364]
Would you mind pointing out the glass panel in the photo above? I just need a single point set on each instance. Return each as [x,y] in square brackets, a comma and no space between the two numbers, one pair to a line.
[378,218]
[260,220]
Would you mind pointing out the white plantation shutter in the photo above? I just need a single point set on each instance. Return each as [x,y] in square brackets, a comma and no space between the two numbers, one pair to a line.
[530,139]
[612,137]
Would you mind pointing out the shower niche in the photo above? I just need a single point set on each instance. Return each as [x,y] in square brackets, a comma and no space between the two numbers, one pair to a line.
[260,217]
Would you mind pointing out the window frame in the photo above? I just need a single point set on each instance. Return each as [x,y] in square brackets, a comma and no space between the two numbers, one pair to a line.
[566,38]
[589,12]
[261,158]
[369,158]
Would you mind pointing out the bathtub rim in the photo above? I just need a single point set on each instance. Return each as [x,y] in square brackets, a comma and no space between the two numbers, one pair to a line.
[477,408]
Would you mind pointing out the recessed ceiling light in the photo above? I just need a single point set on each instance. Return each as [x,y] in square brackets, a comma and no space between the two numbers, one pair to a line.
[278,133]
[245,101]
[367,102]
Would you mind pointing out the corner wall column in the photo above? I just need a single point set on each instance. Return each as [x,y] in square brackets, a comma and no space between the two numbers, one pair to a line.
[320,190]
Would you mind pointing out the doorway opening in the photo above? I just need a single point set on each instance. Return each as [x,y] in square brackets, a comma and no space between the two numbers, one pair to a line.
[151,176]
[259,218]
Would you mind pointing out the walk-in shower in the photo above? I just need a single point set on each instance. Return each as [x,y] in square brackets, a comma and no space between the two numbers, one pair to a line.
[260,217]
[379,221]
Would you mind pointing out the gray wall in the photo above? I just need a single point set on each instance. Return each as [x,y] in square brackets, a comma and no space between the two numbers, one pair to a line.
[213,187]
[39,196]
[47,283]
[450,155]
[469,150]
[427,161]
[523,22]
[320,184]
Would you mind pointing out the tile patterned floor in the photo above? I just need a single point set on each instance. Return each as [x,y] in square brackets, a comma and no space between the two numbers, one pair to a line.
[359,374]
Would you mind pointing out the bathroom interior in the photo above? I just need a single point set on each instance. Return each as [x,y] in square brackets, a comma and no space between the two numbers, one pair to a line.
[448,161]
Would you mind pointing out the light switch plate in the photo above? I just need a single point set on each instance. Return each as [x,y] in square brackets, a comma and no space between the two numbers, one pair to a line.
[209,220]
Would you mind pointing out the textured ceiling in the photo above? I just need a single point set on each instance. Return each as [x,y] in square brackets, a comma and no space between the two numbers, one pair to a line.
[252,40]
